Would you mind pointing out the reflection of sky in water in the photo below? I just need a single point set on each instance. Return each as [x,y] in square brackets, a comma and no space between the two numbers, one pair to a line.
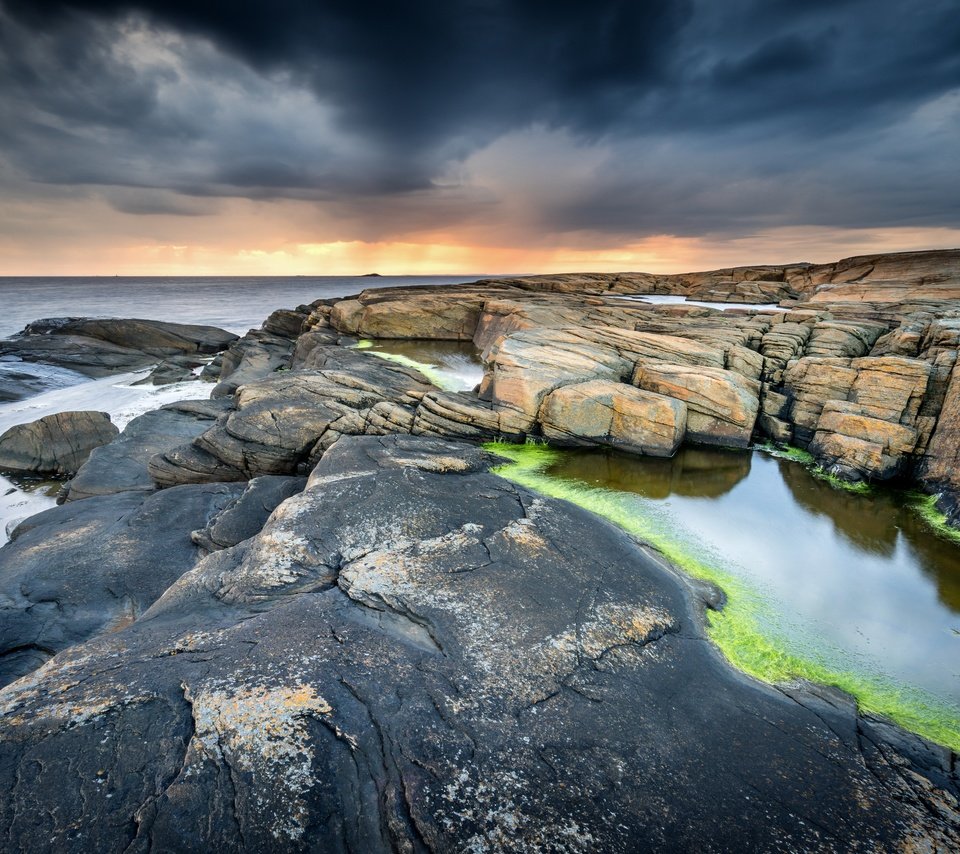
[676,299]
[848,576]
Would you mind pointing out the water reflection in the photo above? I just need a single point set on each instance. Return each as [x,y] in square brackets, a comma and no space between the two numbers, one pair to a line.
[858,580]
[880,523]
[692,472]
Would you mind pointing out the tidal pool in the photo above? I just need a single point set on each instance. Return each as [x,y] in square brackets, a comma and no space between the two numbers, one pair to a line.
[848,589]
[450,365]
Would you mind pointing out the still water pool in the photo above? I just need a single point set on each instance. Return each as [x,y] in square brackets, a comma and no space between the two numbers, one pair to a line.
[845,588]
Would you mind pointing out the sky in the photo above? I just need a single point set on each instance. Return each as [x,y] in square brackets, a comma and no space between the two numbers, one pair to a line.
[168,137]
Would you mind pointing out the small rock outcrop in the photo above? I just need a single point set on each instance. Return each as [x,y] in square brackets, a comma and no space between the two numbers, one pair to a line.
[55,444]
[100,347]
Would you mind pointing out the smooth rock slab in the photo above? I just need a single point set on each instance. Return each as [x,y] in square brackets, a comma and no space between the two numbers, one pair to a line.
[416,655]
[614,414]
[93,566]
[55,444]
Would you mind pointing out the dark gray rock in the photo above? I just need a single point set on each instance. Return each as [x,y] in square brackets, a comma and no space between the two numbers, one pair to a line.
[286,322]
[55,444]
[156,337]
[169,371]
[255,356]
[122,465]
[100,347]
[246,516]
[94,566]
[416,655]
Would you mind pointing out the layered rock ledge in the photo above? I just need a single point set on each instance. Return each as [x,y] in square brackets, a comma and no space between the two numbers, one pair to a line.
[864,381]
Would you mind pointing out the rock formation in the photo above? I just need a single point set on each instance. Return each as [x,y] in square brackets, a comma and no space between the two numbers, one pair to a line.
[416,655]
[55,444]
[304,615]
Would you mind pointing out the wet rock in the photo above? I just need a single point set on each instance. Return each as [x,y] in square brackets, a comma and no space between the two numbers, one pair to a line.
[55,444]
[94,566]
[20,380]
[415,653]
[614,414]
[122,464]
[169,371]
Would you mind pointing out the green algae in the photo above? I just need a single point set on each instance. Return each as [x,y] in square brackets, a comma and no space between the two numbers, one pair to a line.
[436,377]
[749,632]
[806,459]
[925,506]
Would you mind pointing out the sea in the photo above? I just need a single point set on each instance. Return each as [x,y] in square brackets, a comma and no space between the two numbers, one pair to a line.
[233,303]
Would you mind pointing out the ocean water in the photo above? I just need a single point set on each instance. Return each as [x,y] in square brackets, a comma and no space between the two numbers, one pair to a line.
[230,302]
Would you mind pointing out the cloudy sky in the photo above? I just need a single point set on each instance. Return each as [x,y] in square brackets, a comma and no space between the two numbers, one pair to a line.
[299,136]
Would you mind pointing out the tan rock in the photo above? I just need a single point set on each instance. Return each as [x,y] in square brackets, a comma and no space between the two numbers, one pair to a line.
[722,404]
[602,412]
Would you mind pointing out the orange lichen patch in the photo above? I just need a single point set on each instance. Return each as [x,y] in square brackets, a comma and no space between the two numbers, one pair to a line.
[262,730]
[48,692]
[524,533]
[613,626]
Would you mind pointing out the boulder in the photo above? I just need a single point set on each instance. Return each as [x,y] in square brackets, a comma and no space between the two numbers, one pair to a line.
[415,654]
[721,405]
[55,444]
[614,414]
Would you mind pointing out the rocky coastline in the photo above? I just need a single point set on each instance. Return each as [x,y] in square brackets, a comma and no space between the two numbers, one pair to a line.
[305,615]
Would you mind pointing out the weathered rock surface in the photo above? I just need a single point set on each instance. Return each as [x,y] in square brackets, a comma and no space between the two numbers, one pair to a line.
[121,465]
[245,516]
[416,655]
[282,422]
[99,347]
[602,412]
[94,566]
[55,444]
[722,405]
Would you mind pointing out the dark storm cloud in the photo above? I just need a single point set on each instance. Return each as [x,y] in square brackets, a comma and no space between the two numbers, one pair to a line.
[710,116]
